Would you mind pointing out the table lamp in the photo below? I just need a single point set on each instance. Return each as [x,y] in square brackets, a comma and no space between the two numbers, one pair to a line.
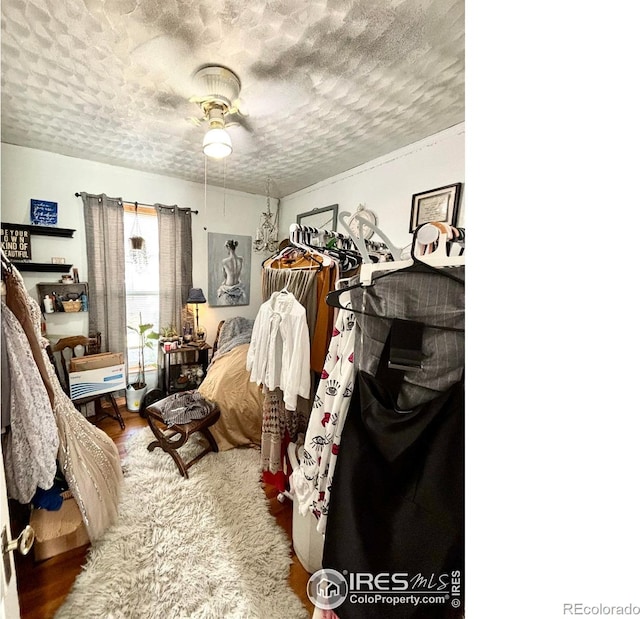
[196,296]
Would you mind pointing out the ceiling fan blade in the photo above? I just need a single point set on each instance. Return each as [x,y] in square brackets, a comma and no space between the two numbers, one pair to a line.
[239,106]
[243,141]
[231,119]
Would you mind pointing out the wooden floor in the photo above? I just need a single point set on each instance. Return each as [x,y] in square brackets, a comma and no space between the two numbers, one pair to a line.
[43,586]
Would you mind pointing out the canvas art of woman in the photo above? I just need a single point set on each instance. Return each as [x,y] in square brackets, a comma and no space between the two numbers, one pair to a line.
[233,290]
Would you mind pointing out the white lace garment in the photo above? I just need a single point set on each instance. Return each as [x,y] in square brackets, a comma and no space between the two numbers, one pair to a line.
[31,445]
[89,459]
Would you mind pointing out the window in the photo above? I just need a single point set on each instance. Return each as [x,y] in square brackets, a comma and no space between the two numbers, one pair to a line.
[142,284]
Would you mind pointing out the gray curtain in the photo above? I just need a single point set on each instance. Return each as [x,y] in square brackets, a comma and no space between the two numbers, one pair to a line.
[174,231]
[104,229]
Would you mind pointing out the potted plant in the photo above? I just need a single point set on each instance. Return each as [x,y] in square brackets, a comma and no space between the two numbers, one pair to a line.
[168,334]
[135,390]
[137,242]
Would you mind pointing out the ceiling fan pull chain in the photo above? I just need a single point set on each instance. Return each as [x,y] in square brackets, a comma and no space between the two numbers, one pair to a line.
[224,188]
[205,192]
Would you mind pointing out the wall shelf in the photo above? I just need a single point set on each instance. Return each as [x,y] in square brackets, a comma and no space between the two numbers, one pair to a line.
[42,230]
[62,291]
[42,267]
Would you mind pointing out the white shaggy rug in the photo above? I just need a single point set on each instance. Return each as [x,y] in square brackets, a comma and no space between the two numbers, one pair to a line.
[198,548]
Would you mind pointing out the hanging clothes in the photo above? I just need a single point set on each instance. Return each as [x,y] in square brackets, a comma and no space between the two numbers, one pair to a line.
[429,298]
[88,458]
[279,428]
[17,301]
[278,359]
[324,319]
[301,283]
[313,479]
[5,385]
[278,355]
[398,495]
[30,445]
[397,492]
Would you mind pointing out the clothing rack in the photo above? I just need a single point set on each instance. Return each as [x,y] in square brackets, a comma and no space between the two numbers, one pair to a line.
[195,212]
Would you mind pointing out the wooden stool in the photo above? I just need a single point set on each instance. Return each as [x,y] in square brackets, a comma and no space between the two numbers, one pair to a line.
[170,439]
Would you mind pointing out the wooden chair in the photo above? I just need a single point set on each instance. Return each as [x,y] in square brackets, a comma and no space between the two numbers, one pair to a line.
[62,352]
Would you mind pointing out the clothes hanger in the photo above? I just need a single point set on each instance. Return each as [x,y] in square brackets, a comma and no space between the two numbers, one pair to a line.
[285,290]
[347,259]
[293,246]
[7,266]
[359,240]
[308,252]
[424,235]
[333,298]
[417,264]
[360,243]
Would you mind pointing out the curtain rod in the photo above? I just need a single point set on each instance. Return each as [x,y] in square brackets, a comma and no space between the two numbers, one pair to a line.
[151,205]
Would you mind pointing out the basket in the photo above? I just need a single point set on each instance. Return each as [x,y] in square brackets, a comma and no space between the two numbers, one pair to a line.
[72,306]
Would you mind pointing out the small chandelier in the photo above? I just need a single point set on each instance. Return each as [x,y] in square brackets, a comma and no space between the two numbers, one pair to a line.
[267,232]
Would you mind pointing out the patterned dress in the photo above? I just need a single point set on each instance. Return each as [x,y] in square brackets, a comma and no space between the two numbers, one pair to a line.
[312,480]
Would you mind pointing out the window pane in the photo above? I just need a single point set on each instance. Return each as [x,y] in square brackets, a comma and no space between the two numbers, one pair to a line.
[142,275]
[147,305]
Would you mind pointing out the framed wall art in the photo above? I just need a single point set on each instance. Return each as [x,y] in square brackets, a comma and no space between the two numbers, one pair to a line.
[16,241]
[439,204]
[44,213]
[229,269]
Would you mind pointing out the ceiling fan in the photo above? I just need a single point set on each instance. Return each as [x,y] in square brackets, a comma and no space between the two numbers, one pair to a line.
[220,106]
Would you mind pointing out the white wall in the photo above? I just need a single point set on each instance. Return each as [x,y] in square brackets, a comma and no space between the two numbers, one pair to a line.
[386,185]
[29,173]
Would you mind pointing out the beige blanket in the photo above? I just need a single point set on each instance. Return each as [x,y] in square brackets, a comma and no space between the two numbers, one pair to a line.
[240,401]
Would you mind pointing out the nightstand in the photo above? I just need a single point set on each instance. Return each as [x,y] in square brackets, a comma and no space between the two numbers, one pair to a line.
[174,359]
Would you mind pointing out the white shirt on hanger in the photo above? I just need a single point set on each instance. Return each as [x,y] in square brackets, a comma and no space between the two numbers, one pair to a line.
[279,352]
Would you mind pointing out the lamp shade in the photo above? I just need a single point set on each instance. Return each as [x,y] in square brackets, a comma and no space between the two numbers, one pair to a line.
[196,296]
[217,143]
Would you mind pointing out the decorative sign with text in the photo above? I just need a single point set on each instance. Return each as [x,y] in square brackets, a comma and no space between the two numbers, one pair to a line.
[44,213]
[16,243]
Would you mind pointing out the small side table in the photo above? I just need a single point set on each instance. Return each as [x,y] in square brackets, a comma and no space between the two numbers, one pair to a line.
[201,356]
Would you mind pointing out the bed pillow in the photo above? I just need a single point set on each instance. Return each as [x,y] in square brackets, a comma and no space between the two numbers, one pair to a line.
[240,401]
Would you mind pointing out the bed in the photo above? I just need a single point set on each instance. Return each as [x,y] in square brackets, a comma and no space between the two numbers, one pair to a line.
[227,384]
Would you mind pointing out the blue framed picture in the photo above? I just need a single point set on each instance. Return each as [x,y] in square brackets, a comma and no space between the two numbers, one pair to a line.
[44,213]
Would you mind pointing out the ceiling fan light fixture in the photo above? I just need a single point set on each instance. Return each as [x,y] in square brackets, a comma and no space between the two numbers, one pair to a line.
[217,143]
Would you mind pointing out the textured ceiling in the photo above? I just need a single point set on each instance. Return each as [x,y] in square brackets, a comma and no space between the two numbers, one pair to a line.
[327,84]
